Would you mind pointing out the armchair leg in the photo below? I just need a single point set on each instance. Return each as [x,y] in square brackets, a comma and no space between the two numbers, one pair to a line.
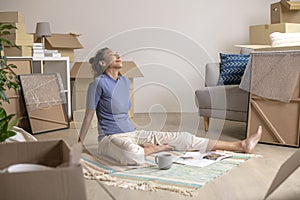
[206,123]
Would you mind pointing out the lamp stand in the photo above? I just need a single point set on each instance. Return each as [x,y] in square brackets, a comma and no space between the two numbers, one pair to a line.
[43,42]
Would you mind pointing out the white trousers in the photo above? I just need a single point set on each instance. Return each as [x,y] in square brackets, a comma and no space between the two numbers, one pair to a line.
[125,147]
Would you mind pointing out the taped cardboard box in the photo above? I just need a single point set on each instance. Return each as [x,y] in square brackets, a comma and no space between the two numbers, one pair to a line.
[20,39]
[19,36]
[285,11]
[260,34]
[25,51]
[60,181]
[11,16]
[21,27]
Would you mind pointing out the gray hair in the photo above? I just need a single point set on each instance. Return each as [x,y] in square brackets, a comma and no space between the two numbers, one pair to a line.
[94,61]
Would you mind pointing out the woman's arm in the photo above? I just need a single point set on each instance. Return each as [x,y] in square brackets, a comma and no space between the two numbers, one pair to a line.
[86,124]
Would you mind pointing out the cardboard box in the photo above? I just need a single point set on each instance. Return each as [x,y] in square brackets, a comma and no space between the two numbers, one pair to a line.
[11,16]
[81,76]
[81,70]
[279,120]
[57,183]
[260,34]
[84,70]
[64,43]
[285,11]
[21,27]
[16,105]
[20,38]
[14,51]
[268,47]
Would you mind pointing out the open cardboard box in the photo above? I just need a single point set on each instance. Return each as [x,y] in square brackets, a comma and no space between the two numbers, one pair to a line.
[65,182]
[64,43]
[260,34]
[285,11]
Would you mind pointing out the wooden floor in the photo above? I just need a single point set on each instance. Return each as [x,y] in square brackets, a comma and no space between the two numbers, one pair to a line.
[248,181]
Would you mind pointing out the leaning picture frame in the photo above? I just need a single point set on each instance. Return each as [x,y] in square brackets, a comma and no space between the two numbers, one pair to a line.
[45,102]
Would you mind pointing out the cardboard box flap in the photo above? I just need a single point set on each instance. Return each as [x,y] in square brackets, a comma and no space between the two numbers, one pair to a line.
[291,5]
[84,70]
[63,41]
[130,70]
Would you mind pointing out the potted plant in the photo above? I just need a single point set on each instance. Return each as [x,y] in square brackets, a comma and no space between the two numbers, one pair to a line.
[8,81]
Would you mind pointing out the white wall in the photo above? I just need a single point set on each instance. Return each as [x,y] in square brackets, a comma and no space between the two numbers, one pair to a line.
[170,40]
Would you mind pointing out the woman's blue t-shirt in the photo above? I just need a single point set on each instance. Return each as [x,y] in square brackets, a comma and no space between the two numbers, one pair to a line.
[111,100]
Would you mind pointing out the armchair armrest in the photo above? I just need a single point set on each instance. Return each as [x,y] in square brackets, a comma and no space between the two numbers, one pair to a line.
[212,73]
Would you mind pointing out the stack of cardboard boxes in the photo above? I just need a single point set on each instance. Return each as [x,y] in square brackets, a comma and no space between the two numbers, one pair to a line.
[285,18]
[17,36]
[61,175]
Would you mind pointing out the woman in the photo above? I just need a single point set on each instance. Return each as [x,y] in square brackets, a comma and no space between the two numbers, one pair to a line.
[109,96]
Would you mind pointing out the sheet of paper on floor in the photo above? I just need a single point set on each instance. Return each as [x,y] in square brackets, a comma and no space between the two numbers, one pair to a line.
[198,159]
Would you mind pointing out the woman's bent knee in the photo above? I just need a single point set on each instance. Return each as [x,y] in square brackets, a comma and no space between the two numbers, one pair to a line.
[124,157]
[135,157]
[122,150]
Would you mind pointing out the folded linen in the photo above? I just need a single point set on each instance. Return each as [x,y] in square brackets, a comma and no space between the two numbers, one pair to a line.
[285,39]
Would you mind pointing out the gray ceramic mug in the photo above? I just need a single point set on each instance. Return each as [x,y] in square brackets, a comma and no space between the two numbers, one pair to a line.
[164,161]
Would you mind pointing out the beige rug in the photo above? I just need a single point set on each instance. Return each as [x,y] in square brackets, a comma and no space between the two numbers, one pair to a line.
[181,179]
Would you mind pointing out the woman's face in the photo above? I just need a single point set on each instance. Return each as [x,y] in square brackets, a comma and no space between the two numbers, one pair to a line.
[112,59]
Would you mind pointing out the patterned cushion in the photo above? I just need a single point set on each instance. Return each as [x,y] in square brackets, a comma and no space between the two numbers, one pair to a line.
[232,68]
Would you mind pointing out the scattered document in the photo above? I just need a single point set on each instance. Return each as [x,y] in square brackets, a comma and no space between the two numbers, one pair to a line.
[200,160]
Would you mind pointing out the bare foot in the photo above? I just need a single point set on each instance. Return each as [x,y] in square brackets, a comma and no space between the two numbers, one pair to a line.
[249,144]
[152,148]
[145,145]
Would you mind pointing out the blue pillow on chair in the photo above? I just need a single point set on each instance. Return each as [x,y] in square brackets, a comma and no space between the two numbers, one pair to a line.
[232,67]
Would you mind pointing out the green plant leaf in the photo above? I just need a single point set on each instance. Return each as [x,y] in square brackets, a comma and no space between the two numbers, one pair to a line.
[7,42]
[2,114]
[7,27]
[13,123]
[8,80]
[8,134]
[12,66]
[5,120]
[5,33]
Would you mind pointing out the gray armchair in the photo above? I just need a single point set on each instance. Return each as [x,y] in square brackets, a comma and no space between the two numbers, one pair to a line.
[224,102]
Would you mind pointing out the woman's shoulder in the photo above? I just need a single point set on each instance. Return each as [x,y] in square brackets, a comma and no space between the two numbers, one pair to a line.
[97,80]
[124,78]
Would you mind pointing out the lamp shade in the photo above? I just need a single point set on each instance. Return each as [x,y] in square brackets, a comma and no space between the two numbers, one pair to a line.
[42,29]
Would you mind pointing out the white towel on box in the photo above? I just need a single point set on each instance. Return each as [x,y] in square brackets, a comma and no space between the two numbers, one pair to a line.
[285,39]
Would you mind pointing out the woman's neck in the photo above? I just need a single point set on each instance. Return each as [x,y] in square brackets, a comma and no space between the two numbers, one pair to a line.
[113,73]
